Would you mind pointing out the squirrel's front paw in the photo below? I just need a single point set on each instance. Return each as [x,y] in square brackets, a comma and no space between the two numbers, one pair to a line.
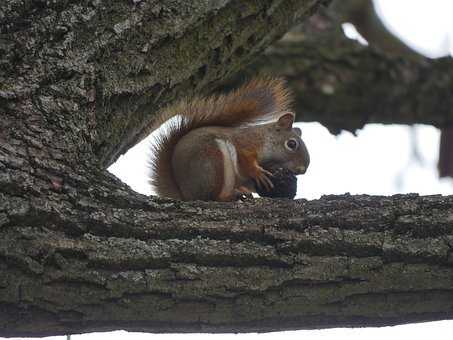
[262,179]
[285,184]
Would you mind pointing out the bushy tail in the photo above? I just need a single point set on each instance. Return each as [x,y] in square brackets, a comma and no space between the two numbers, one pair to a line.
[260,100]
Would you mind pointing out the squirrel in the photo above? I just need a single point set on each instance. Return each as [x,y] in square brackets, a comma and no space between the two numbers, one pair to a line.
[215,147]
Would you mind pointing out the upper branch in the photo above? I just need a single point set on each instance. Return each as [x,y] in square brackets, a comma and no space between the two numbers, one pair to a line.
[345,85]
[99,70]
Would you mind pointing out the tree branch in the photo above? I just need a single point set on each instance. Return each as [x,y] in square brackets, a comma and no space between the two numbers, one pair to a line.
[119,62]
[107,259]
[445,163]
[344,85]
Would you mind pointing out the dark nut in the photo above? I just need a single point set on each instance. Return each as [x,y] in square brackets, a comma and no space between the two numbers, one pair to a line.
[285,184]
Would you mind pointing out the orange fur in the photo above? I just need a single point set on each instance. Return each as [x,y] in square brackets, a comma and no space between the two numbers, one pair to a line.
[260,100]
[247,163]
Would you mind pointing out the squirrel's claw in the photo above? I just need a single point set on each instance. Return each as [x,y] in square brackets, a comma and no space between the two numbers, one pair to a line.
[262,179]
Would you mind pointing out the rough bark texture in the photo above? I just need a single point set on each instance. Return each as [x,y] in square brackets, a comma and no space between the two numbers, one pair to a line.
[113,63]
[94,258]
[80,251]
[345,85]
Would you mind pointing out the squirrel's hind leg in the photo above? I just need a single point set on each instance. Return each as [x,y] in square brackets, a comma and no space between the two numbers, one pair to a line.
[203,169]
[198,176]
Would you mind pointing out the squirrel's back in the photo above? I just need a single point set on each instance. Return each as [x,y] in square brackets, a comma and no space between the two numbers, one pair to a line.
[260,100]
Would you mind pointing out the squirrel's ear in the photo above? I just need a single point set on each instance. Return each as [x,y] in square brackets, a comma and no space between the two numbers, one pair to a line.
[298,131]
[286,120]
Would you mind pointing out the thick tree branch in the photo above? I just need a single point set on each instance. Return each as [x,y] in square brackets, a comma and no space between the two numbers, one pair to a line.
[117,62]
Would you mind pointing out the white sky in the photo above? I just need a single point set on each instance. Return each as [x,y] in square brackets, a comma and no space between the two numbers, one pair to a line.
[378,161]
[426,25]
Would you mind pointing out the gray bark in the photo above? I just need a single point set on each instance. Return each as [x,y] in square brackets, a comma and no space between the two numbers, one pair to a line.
[115,63]
[79,251]
[97,258]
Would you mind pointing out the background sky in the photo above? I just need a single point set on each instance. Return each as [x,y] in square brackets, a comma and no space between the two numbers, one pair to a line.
[380,160]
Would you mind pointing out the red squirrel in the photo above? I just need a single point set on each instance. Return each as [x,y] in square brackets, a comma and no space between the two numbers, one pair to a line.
[215,147]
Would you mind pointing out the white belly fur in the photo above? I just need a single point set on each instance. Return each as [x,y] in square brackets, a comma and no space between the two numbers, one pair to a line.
[230,166]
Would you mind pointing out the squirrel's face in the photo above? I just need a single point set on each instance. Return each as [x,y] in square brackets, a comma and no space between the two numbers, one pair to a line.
[285,146]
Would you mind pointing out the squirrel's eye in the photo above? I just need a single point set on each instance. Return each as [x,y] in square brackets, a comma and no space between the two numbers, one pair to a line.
[291,144]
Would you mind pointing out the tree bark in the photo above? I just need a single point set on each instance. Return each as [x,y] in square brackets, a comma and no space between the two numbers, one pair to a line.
[101,259]
[79,251]
[115,63]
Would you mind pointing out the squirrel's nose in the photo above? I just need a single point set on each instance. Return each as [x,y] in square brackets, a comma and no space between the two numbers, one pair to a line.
[300,170]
